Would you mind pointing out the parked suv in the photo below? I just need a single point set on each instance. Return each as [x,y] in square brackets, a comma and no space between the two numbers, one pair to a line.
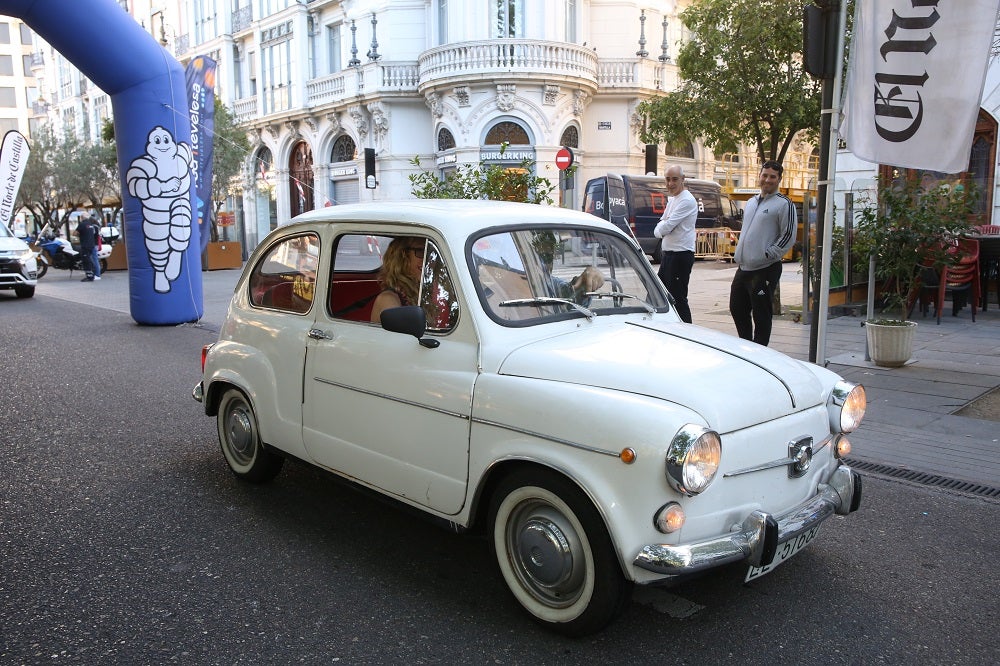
[18,267]
[635,203]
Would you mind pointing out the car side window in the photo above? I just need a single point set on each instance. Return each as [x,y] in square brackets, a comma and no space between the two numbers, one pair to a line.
[285,278]
[358,279]
[437,292]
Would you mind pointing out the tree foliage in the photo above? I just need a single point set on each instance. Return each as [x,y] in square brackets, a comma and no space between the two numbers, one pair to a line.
[63,174]
[495,182]
[742,80]
[230,148]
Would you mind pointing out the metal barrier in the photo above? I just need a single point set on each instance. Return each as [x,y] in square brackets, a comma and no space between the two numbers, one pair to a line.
[718,243]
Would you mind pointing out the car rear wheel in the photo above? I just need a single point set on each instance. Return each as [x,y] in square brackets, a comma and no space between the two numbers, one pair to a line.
[240,440]
[555,553]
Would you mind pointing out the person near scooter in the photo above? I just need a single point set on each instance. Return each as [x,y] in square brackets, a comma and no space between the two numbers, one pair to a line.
[89,232]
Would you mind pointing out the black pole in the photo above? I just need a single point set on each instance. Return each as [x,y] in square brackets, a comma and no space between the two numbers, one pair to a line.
[819,49]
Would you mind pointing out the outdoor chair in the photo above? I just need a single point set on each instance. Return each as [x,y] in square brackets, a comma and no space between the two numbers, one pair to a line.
[958,279]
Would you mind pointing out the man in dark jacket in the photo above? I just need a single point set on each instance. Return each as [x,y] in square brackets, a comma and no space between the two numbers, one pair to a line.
[89,232]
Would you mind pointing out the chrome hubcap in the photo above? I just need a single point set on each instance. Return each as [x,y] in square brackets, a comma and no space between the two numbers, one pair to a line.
[239,434]
[547,556]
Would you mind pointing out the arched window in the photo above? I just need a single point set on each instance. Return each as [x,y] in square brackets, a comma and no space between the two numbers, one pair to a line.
[344,149]
[446,140]
[570,137]
[300,179]
[681,148]
[262,162]
[507,131]
[813,165]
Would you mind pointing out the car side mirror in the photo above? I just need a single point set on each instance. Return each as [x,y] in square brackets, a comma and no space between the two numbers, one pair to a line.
[408,319]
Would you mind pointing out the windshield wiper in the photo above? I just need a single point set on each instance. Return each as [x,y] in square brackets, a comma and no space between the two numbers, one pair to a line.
[548,300]
[618,294]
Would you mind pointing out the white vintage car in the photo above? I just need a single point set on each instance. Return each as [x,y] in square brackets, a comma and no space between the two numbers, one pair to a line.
[598,440]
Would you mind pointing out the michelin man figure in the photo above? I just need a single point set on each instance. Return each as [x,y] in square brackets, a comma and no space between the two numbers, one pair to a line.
[161,180]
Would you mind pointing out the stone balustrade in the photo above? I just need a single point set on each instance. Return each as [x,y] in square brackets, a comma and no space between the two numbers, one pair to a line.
[495,57]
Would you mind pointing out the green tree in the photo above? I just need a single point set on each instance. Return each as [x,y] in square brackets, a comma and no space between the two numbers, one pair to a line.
[742,80]
[103,186]
[57,178]
[230,148]
[495,182]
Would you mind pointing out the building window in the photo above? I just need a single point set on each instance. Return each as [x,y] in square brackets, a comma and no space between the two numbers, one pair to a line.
[344,149]
[276,67]
[570,137]
[333,48]
[446,140]
[26,65]
[571,11]
[300,179]
[205,21]
[252,73]
[6,65]
[442,22]
[4,33]
[8,98]
[509,18]
[507,132]
[26,38]
[262,165]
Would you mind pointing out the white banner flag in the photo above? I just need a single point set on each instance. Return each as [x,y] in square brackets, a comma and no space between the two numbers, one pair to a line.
[916,80]
[13,160]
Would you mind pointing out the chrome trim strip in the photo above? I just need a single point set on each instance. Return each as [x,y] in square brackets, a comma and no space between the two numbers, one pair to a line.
[549,438]
[393,398]
[780,462]
[748,542]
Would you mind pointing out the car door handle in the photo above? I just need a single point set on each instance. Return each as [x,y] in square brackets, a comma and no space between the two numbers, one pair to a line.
[317,334]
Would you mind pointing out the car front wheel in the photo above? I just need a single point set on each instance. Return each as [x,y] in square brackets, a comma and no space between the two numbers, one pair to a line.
[240,440]
[555,553]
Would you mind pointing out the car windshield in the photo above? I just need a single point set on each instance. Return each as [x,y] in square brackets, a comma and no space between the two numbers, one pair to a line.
[529,276]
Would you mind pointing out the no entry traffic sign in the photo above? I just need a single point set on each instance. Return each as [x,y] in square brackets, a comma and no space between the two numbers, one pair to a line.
[564,158]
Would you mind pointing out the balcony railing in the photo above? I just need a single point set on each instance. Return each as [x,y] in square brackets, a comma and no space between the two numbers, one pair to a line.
[371,78]
[515,56]
[245,109]
[242,18]
[630,73]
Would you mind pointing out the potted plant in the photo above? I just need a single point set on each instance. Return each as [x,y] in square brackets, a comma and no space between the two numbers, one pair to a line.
[909,232]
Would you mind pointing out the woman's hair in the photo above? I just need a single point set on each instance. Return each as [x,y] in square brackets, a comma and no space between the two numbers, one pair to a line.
[393,274]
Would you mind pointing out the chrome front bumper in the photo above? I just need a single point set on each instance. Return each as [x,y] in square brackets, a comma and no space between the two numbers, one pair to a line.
[758,538]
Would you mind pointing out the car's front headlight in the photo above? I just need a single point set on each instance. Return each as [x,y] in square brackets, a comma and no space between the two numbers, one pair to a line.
[693,459]
[847,406]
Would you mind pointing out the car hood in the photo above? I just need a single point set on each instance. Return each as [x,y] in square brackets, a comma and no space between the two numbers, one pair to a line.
[731,383]
[8,243]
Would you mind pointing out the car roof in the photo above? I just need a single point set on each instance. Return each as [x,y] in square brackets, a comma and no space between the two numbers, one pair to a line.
[453,216]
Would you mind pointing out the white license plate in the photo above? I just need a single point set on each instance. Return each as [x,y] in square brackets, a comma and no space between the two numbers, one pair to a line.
[784,553]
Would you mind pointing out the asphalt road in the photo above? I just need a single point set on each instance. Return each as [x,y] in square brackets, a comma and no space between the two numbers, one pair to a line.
[124,539]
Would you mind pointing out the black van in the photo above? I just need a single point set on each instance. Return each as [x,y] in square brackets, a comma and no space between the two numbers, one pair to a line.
[635,203]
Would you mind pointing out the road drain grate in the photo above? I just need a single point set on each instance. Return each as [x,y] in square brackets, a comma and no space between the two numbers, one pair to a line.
[926,479]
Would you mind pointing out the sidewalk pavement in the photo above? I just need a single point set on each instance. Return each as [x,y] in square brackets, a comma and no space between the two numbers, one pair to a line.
[911,430]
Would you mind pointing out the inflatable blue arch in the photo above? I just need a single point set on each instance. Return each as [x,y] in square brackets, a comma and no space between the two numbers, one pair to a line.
[153,135]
